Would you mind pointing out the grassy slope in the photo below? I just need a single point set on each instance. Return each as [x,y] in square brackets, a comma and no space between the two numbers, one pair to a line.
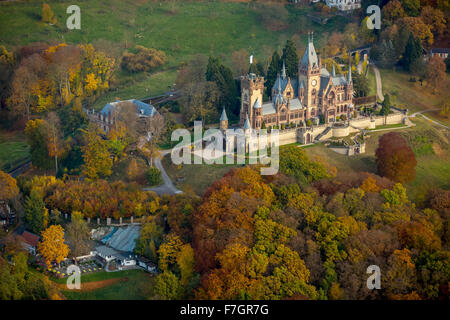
[13,149]
[196,177]
[210,28]
[412,94]
[432,170]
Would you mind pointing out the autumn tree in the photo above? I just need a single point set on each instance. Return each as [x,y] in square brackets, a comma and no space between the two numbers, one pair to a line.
[36,214]
[434,18]
[23,86]
[392,11]
[8,186]
[132,170]
[18,281]
[167,286]
[419,29]
[240,61]
[47,14]
[395,159]
[77,232]
[52,247]
[186,263]
[335,44]
[435,73]
[295,162]
[149,240]
[412,7]
[97,159]
[45,140]
[54,143]
[145,59]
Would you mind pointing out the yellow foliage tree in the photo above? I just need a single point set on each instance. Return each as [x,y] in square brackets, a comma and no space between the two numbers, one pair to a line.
[8,186]
[186,263]
[91,83]
[52,247]
[47,14]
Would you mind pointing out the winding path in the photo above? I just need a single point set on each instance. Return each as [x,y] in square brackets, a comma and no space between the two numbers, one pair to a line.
[379,83]
[421,113]
[167,187]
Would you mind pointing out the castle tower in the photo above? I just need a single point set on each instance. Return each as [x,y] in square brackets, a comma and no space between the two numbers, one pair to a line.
[223,121]
[252,91]
[257,114]
[309,73]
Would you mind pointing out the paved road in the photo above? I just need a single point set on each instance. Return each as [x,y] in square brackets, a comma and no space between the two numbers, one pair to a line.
[379,84]
[421,113]
[167,187]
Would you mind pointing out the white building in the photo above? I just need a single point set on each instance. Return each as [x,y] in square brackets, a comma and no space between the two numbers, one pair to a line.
[344,5]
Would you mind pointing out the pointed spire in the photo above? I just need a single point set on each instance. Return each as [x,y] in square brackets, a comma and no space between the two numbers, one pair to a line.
[247,122]
[283,71]
[223,117]
[333,71]
[349,76]
[279,86]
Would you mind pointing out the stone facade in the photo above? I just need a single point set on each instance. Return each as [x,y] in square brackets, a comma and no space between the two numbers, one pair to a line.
[315,93]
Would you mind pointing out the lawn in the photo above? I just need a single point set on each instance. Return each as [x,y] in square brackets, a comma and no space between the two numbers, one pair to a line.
[389,126]
[13,149]
[195,177]
[180,29]
[372,82]
[130,285]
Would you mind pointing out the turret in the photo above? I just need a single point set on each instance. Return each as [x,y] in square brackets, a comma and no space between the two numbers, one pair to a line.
[223,120]
[349,75]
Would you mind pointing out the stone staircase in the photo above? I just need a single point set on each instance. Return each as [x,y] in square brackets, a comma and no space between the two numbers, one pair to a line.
[323,135]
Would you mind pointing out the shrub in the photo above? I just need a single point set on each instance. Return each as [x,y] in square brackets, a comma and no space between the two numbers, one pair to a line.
[154,176]
[144,59]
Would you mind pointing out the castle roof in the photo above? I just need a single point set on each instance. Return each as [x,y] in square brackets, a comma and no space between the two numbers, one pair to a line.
[247,123]
[338,81]
[295,104]
[257,104]
[268,108]
[349,76]
[279,99]
[141,108]
[310,56]
[282,84]
[223,117]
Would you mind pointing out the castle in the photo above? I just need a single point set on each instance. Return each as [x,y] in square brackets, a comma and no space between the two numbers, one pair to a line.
[316,93]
